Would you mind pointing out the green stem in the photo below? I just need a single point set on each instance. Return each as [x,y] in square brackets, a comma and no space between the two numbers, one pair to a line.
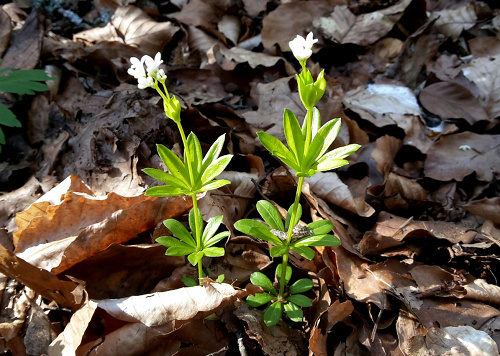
[284,264]
[197,233]
[308,131]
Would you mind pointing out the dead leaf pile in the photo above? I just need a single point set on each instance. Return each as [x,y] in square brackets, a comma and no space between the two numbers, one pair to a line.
[416,84]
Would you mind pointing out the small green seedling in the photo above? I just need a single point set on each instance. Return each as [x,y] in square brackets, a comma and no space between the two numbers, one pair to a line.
[196,174]
[18,82]
[306,154]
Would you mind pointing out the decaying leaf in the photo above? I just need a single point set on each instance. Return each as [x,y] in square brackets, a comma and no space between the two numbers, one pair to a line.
[453,21]
[488,208]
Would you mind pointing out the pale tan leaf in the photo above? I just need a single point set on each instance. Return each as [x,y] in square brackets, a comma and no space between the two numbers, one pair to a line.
[482,291]
[330,188]
[452,101]
[5,31]
[485,73]
[456,156]
[456,341]
[345,27]
[452,22]
[488,208]
[254,59]
[161,310]
[229,26]
[68,341]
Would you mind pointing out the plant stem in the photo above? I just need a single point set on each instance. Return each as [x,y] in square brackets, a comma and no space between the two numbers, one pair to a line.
[284,264]
[308,131]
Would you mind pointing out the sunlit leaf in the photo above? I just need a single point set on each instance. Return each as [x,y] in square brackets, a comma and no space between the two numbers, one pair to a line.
[317,240]
[213,251]
[293,135]
[301,286]
[304,251]
[165,191]
[211,228]
[195,257]
[261,280]
[294,312]
[180,231]
[277,251]
[195,156]
[288,273]
[193,223]
[273,314]
[270,215]
[220,278]
[257,229]
[289,216]
[300,299]
[321,227]
[213,152]
[217,238]
[215,184]
[323,139]
[259,299]
[173,163]
[165,178]
[277,148]
[215,168]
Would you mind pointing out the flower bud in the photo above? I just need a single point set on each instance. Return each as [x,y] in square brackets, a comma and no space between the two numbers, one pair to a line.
[311,92]
[172,108]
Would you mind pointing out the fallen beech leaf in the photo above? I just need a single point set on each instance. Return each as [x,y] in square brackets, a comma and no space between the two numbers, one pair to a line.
[68,341]
[452,101]
[5,31]
[253,59]
[330,188]
[446,161]
[488,208]
[390,230]
[453,21]
[289,19]
[131,25]
[482,291]
[396,184]
[164,310]
[345,27]
[229,26]
[485,73]
[460,340]
[199,13]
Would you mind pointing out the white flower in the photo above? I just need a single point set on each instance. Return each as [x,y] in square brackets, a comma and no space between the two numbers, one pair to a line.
[145,82]
[302,47]
[152,66]
[464,148]
[137,68]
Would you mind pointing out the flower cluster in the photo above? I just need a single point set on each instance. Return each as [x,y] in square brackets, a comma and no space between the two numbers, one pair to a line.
[151,75]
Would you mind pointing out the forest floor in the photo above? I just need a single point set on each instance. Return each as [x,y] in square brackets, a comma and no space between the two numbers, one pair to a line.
[416,84]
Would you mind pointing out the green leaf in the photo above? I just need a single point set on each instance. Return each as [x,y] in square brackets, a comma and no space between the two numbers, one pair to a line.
[217,238]
[213,152]
[174,164]
[215,184]
[220,278]
[192,222]
[273,314]
[189,282]
[214,251]
[330,164]
[289,216]
[316,121]
[323,139]
[321,227]
[317,240]
[301,286]
[211,228]
[165,178]
[340,153]
[294,312]
[288,273]
[277,148]
[300,300]
[277,251]
[2,138]
[215,168]
[7,117]
[195,257]
[24,81]
[195,155]
[293,135]
[304,251]
[259,299]
[261,280]
[179,250]
[180,231]
[165,191]
[270,215]
[257,229]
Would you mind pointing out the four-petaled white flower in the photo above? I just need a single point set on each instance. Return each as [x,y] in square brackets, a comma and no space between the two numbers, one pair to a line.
[146,78]
[302,47]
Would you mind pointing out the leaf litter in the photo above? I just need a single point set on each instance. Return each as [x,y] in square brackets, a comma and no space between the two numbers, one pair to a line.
[416,210]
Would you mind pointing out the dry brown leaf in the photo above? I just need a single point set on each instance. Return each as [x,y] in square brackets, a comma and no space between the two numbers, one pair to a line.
[456,156]
[254,7]
[24,49]
[345,27]
[253,59]
[165,311]
[452,101]
[330,188]
[396,184]
[5,31]
[484,46]
[452,22]
[229,26]
[485,73]
[459,340]
[488,208]
[482,291]
[334,314]
[289,19]
[132,26]
[68,341]
[199,13]
[391,230]
[197,86]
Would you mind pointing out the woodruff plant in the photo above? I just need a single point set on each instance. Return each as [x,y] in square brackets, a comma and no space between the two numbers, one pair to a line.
[306,155]
[193,175]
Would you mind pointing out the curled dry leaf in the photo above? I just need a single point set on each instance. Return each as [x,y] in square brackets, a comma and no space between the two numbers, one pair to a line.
[5,31]
[229,26]
[453,21]
[452,101]
[345,27]
[253,59]
[132,26]
[488,208]
[485,73]
[391,230]
[446,161]
[161,310]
